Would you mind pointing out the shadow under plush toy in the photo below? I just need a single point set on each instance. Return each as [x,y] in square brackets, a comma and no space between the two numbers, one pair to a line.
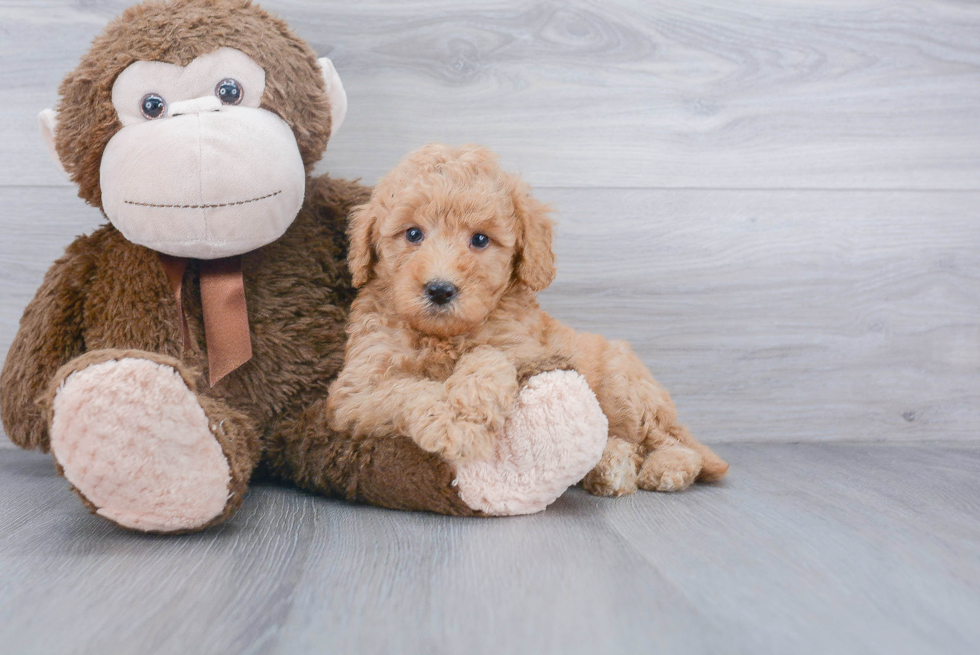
[189,344]
[449,254]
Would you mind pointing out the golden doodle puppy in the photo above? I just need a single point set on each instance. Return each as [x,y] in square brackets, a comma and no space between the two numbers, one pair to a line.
[449,254]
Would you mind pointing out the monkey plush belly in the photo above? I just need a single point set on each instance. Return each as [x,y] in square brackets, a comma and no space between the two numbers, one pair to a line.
[132,307]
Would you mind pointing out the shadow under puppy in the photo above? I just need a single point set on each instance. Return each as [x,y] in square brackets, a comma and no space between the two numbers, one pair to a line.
[448,255]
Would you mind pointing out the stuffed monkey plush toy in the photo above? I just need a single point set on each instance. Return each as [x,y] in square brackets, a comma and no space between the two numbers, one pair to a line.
[188,345]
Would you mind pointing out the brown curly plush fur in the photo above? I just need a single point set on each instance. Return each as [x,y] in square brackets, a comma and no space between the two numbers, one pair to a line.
[108,298]
[447,375]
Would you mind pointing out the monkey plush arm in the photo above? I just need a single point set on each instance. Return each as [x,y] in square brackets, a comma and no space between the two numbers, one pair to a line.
[50,335]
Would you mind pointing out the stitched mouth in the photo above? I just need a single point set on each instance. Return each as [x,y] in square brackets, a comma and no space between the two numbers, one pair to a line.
[222,204]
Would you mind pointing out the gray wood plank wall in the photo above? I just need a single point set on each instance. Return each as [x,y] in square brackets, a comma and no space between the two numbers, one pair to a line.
[777,203]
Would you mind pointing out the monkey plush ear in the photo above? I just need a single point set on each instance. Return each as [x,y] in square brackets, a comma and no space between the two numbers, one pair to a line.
[336,93]
[48,120]
[535,261]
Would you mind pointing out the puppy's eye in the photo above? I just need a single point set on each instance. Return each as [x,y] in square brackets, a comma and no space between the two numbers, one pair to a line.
[229,91]
[480,241]
[152,106]
[413,235]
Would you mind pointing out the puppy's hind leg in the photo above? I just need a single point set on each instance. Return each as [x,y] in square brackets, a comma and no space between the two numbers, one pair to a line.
[713,468]
[675,459]
[616,472]
[641,411]
[669,467]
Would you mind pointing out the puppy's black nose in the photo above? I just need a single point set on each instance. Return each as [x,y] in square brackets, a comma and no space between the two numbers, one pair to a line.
[440,292]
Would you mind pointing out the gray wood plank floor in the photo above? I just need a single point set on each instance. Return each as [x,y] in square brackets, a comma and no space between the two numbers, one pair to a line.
[832,548]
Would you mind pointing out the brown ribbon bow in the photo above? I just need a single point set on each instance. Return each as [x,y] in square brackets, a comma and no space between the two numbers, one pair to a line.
[225,313]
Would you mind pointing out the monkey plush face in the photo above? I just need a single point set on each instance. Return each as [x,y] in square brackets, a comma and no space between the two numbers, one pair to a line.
[193,125]
[199,169]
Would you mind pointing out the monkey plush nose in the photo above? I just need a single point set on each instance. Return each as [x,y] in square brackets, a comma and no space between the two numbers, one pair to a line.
[440,292]
[195,106]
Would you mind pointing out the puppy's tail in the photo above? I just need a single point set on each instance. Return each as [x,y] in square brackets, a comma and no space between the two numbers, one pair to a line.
[713,468]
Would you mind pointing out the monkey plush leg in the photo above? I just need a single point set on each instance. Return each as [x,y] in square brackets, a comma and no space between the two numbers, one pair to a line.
[141,448]
[554,436]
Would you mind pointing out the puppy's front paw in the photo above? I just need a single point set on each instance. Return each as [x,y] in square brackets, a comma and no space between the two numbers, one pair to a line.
[457,440]
[669,468]
[469,441]
[483,388]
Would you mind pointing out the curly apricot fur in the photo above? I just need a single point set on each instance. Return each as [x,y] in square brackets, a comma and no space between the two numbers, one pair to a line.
[447,375]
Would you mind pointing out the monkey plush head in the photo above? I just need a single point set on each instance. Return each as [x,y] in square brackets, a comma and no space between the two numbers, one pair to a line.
[193,125]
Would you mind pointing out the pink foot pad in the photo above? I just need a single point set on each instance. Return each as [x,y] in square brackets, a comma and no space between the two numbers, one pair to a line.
[555,436]
[133,440]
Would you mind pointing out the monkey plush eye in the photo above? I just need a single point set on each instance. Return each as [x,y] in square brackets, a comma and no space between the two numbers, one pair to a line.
[413,234]
[229,91]
[480,241]
[152,106]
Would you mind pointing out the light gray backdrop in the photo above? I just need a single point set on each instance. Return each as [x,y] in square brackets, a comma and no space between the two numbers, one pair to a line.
[777,203]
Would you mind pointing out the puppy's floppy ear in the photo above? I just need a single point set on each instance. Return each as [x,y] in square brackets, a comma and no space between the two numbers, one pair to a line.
[535,259]
[360,230]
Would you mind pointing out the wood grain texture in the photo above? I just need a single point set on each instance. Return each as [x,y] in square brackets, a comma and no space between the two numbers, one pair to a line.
[786,316]
[777,203]
[707,94]
[805,549]
[779,311]
[770,315]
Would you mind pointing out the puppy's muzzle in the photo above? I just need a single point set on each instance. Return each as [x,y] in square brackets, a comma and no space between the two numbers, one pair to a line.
[441,292]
